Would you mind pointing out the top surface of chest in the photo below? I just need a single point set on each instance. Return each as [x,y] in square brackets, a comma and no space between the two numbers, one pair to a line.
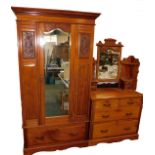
[108,93]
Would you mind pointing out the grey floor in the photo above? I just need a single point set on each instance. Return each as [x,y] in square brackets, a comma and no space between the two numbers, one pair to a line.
[53,99]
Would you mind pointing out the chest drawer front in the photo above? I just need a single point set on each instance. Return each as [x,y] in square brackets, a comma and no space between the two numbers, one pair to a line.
[103,130]
[106,104]
[54,135]
[110,104]
[114,128]
[127,127]
[131,102]
[116,114]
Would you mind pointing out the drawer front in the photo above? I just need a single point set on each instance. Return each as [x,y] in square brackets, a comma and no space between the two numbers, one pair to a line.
[127,127]
[114,128]
[54,135]
[116,114]
[106,104]
[131,102]
[110,104]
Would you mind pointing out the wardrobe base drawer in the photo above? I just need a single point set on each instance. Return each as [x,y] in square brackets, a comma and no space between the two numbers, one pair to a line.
[54,135]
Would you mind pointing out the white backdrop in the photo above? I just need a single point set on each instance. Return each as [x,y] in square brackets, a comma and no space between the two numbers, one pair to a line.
[131,22]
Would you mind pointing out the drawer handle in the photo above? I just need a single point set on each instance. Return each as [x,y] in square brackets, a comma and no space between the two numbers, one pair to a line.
[53,131]
[118,110]
[104,131]
[130,103]
[40,138]
[73,134]
[129,114]
[106,104]
[51,134]
[127,128]
[105,116]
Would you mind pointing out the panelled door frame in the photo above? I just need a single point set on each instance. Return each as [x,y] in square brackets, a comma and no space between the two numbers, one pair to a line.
[77,61]
[84,54]
[53,119]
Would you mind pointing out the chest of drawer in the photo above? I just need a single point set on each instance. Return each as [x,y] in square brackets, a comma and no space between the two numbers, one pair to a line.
[114,128]
[130,102]
[116,114]
[52,135]
[106,104]
[113,104]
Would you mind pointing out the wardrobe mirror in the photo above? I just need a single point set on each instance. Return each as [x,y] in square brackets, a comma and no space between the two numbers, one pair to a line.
[57,72]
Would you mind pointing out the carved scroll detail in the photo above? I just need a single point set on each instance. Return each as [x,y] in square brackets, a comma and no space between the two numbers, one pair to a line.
[131,60]
[129,72]
[110,42]
[28,44]
[84,45]
[62,26]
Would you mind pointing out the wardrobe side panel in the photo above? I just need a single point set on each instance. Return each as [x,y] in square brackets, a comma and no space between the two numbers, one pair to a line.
[28,70]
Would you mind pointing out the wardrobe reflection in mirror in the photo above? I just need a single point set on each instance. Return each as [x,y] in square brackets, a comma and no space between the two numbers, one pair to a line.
[57,72]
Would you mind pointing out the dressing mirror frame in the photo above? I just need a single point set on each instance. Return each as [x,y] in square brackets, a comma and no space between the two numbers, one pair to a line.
[112,45]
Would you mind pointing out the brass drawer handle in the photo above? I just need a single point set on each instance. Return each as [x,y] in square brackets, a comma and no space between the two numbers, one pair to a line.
[53,131]
[73,134]
[107,105]
[127,128]
[129,114]
[40,138]
[130,102]
[118,110]
[103,131]
[105,116]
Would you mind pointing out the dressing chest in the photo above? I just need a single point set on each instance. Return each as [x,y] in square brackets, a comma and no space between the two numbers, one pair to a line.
[115,115]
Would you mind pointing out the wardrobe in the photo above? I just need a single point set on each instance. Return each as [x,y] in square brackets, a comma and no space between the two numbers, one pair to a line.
[62,104]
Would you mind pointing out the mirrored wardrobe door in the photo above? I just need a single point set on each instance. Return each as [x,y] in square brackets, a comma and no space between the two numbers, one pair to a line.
[56,66]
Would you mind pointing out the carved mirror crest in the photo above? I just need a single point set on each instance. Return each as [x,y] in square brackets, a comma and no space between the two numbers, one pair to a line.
[108,60]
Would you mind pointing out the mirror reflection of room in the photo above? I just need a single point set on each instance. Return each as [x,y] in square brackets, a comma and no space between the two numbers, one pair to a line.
[108,64]
[57,72]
